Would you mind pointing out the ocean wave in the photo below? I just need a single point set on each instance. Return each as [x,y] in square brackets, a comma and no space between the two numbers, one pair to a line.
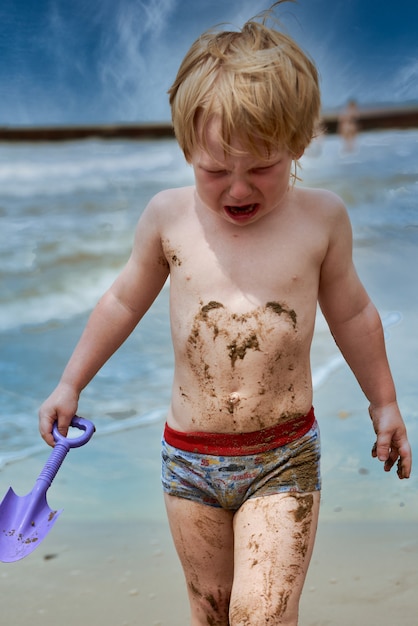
[85,166]
[368,179]
[73,296]
[41,308]
[322,373]
[138,421]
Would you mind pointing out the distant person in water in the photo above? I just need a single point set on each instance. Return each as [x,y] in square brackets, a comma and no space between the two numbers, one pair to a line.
[249,255]
[348,125]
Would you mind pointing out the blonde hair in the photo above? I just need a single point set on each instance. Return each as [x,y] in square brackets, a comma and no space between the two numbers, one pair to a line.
[257,81]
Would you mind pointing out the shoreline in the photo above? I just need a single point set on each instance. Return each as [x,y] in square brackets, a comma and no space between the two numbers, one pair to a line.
[377,118]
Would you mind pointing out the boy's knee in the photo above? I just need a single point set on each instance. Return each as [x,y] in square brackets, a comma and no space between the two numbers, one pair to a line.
[210,608]
[254,610]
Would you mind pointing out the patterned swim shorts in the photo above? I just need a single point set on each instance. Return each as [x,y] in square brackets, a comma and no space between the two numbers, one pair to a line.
[227,481]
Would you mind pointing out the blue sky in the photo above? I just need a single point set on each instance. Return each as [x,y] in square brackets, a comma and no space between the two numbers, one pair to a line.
[94,61]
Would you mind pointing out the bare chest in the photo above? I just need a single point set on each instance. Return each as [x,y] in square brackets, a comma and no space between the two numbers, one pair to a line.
[241,273]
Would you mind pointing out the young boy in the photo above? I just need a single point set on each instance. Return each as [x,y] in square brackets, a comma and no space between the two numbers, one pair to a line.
[249,257]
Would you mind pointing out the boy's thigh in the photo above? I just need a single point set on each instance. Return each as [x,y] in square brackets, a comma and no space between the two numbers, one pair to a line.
[203,537]
[274,538]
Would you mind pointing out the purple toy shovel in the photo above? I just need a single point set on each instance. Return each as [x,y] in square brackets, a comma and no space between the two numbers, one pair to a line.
[26,520]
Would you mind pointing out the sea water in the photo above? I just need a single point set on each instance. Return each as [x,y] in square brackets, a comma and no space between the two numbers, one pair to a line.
[68,213]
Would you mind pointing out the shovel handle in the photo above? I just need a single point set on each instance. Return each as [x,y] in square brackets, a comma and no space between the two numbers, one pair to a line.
[61,449]
[76,442]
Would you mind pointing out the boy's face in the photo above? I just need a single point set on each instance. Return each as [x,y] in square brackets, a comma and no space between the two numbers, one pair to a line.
[242,189]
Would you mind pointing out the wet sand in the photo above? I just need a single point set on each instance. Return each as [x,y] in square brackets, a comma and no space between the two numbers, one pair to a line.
[125,574]
[109,558]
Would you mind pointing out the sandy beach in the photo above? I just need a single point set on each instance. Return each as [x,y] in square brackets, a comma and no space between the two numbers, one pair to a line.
[126,574]
[109,558]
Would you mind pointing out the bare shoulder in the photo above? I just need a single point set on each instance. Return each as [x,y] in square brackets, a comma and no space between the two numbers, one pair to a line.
[326,213]
[170,199]
[163,210]
[321,200]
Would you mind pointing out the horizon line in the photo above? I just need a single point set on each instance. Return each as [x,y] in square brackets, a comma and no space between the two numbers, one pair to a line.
[369,118]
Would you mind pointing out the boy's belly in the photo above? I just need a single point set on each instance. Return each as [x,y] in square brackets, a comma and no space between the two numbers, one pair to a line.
[240,373]
[240,410]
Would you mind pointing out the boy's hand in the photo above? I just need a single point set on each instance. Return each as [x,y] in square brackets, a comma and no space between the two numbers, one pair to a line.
[61,406]
[392,443]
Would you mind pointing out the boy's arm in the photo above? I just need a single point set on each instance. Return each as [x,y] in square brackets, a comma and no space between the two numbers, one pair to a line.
[111,322]
[357,329]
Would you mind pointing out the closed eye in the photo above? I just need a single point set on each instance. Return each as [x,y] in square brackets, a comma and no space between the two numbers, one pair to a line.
[214,172]
[265,169]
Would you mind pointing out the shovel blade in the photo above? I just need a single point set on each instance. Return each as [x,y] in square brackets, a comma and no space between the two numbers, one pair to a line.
[24,523]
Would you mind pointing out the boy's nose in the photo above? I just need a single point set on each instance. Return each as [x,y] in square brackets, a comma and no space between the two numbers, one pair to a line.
[240,189]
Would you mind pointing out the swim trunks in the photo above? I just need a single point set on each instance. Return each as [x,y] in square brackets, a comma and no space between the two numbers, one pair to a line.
[228,480]
[239,444]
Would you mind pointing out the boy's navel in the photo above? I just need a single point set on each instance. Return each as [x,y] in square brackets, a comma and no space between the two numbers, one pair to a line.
[234,398]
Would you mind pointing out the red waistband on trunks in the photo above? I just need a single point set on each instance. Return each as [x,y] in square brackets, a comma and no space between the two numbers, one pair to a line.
[240,444]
